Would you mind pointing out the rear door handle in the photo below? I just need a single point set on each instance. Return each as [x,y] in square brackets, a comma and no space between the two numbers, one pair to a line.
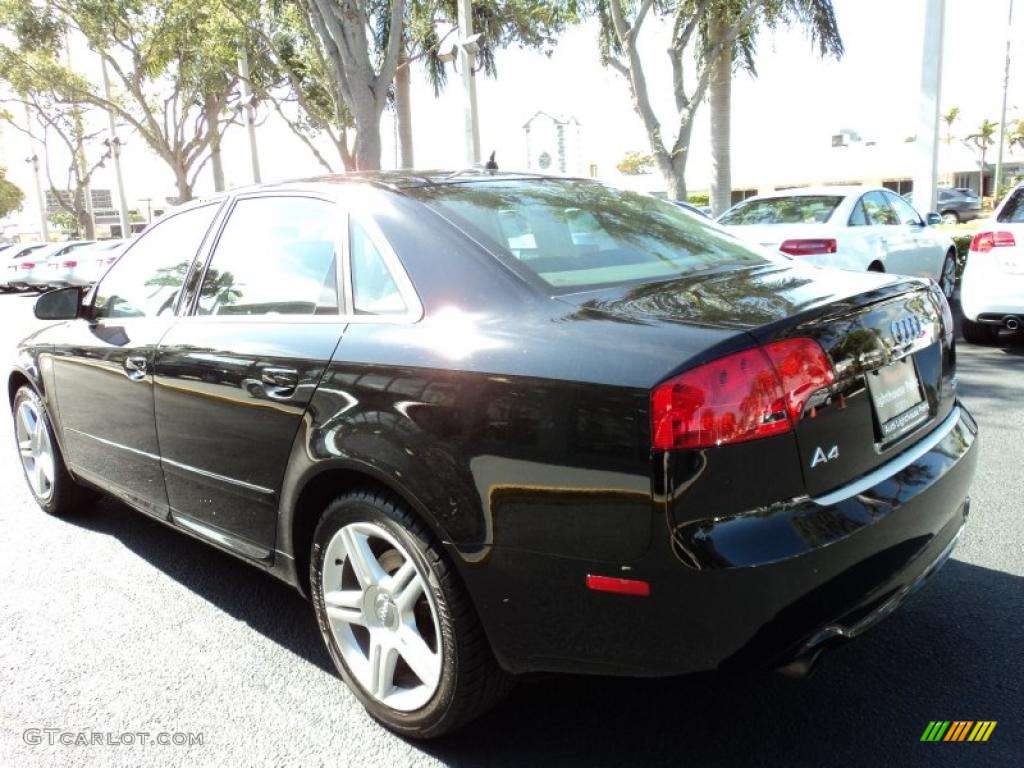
[135,367]
[279,382]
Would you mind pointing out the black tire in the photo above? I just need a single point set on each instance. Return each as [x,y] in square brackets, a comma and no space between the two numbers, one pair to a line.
[978,333]
[947,215]
[471,682]
[65,496]
[876,266]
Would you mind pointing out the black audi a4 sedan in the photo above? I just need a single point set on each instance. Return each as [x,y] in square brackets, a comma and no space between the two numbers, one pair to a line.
[493,424]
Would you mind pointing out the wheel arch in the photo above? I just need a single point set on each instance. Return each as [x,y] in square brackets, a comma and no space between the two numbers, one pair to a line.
[304,503]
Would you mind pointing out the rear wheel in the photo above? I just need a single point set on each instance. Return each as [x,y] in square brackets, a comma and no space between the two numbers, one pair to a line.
[950,217]
[396,619]
[48,479]
[876,266]
[979,333]
[947,280]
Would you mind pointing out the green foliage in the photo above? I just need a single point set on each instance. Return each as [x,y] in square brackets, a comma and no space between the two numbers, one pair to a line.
[985,136]
[11,196]
[65,221]
[700,199]
[635,163]
[963,246]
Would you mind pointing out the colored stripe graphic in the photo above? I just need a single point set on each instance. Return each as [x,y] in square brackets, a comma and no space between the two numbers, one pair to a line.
[958,730]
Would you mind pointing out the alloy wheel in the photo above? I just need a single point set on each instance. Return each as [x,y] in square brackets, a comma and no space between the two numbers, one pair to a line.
[35,449]
[382,615]
[950,218]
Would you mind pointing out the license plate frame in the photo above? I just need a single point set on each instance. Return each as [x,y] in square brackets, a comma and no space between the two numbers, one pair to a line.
[897,398]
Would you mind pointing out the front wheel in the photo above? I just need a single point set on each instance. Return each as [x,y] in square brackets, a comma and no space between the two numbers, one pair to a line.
[947,279]
[979,333]
[397,620]
[48,479]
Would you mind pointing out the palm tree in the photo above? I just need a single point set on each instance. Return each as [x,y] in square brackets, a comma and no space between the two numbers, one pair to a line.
[818,16]
[983,139]
[949,118]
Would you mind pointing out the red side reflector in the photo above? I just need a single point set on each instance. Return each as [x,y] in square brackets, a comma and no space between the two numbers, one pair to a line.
[27,265]
[70,264]
[808,247]
[745,396]
[983,242]
[621,586]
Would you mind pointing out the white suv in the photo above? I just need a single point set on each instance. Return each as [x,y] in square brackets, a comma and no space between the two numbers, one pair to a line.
[992,291]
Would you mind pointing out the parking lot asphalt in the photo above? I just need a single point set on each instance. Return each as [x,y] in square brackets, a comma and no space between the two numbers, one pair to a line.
[115,624]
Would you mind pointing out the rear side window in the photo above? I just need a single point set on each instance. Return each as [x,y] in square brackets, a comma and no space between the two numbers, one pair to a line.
[275,256]
[575,235]
[146,280]
[795,209]
[1013,211]
[374,290]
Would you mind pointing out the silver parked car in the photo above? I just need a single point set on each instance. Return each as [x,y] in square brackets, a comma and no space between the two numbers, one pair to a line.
[49,266]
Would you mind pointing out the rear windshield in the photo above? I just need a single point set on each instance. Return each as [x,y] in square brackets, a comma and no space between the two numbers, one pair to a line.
[798,209]
[576,235]
[1013,211]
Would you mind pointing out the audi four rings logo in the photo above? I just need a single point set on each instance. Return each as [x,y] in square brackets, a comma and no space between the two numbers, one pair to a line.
[906,329]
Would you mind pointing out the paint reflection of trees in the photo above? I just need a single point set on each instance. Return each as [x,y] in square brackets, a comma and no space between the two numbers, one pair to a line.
[215,284]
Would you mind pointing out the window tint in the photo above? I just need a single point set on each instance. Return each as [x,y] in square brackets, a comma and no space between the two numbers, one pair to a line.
[374,291]
[904,211]
[858,218]
[275,256]
[576,234]
[877,210]
[145,282]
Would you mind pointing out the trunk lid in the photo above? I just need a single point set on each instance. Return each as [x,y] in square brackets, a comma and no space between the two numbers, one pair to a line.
[889,341]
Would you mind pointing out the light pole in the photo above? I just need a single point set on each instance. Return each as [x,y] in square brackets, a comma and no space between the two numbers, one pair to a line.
[1002,119]
[44,230]
[250,113]
[114,145]
[928,106]
[467,60]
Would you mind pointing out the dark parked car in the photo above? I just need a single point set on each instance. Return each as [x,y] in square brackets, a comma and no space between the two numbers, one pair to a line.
[955,204]
[646,451]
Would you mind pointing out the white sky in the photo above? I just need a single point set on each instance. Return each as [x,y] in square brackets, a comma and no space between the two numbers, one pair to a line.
[797,101]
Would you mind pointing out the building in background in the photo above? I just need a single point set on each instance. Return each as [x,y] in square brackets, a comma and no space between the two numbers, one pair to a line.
[554,144]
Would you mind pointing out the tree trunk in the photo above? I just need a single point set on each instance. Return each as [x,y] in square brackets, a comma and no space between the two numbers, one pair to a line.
[719,99]
[403,112]
[366,151]
[181,180]
[674,174]
[212,125]
[86,226]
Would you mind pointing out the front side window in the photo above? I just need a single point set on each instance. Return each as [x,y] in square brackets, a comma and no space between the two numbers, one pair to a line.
[904,211]
[275,256]
[794,209]
[1013,211]
[877,209]
[575,235]
[146,280]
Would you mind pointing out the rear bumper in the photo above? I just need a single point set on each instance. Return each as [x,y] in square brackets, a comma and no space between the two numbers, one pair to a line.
[853,557]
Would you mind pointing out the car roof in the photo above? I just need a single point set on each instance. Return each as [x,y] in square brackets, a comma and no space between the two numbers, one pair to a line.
[835,191]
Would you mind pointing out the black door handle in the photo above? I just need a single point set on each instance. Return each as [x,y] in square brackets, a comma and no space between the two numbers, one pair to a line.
[279,382]
[135,367]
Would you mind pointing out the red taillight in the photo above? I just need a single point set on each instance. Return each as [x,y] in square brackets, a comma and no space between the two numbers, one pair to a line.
[748,395]
[808,247]
[621,586]
[27,265]
[70,264]
[111,260]
[983,242]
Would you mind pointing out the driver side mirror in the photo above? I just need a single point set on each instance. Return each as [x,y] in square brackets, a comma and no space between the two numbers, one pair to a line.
[62,304]
[932,219]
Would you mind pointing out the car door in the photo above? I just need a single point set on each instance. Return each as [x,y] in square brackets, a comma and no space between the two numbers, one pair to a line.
[894,244]
[925,258]
[103,366]
[234,377]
